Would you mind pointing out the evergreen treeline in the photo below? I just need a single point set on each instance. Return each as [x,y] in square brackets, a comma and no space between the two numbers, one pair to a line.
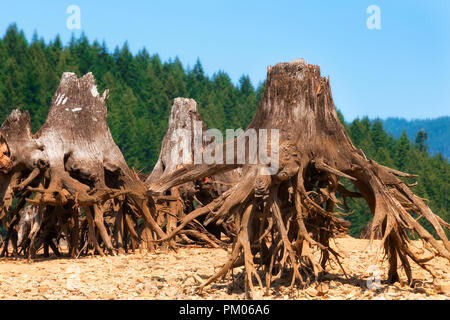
[142,89]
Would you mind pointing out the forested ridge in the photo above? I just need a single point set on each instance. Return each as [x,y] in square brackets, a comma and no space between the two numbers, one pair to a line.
[437,129]
[142,89]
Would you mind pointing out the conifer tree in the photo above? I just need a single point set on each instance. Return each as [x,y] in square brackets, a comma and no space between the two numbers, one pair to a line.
[403,148]
[420,140]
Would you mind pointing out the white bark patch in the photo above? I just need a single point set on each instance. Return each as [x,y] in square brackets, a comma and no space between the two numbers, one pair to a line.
[64,101]
[60,98]
[94,91]
[76,109]
[67,75]
[105,95]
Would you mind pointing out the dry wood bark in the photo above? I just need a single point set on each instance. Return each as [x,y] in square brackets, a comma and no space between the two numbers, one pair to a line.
[365,232]
[72,163]
[282,216]
[177,148]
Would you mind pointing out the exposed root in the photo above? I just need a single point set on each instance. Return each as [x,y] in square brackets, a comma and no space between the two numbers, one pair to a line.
[74,173]
[314,153]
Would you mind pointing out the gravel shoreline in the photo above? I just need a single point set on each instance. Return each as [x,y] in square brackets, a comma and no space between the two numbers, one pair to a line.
[170,275]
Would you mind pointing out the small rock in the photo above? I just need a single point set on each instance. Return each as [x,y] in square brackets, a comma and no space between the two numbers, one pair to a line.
[160,279]
[420,290]
[335,284]
[311,292]
[357,294]
[393,294]
[197,278]
[322,289]
[42,289]
[189,281]
[442,288]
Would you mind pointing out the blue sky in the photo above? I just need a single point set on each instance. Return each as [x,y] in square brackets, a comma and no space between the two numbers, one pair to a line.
[401,70]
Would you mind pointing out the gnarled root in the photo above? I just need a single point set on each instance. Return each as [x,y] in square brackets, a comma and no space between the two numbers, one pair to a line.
[295,210]
[283,220]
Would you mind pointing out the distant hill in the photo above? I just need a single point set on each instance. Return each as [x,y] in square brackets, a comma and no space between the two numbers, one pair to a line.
[438,131]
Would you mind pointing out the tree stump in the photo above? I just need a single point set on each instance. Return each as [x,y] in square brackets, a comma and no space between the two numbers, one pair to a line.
[283,215]
[73,163]
[177,148]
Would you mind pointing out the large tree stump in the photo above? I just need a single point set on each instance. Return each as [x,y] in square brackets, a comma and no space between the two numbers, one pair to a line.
[283,215]
[178,148]
[72,162]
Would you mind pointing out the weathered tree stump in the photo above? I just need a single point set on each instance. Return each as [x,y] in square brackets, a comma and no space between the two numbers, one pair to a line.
[73,163]
[283,215]
[178,148]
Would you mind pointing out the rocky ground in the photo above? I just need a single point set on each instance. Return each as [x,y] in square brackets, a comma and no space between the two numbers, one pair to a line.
[169,275]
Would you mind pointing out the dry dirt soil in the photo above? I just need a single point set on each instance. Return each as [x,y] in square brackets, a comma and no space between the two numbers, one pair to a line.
[170,275]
